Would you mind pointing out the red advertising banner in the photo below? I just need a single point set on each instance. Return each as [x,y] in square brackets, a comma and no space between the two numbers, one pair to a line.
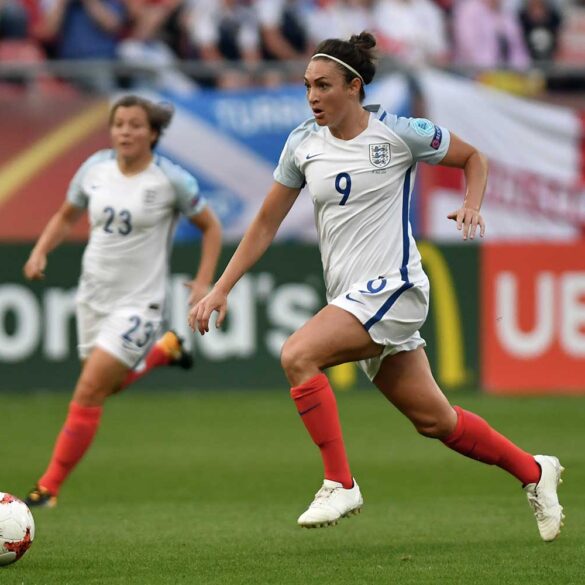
[533,318]
[43,143]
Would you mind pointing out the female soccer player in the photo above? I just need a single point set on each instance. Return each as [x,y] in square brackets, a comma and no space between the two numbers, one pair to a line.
[360,164]
[133,197]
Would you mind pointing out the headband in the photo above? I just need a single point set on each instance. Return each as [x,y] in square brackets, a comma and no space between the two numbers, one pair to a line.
[349,67]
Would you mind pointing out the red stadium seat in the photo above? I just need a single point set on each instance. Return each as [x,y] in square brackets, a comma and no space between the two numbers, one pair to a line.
[27,51]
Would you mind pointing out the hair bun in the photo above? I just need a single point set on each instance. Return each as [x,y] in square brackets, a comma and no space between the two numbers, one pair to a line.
[364,41]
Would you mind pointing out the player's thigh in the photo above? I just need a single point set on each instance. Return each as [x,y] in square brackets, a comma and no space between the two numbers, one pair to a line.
[333,336]
[406,380]
[101,376]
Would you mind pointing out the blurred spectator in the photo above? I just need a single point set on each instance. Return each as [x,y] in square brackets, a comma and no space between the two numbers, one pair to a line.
[283,26]
[487,35]
[226,30]
[84,29]
[20,27]
[158,20]
[13,20]
[34,16]
[412,31]
[541,24]
[340,19]
[155,27]
[445,5]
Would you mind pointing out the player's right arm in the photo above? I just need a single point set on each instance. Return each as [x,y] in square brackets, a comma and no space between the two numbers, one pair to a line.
[255,242]
[54,233]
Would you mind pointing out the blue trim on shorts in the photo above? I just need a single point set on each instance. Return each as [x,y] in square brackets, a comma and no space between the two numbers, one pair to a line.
[405,214]
[386,306]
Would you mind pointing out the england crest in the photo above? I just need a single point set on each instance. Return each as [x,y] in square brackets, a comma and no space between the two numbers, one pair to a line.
[149,197]
[380,154]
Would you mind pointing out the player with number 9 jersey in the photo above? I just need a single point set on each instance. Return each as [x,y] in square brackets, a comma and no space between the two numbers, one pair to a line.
[359,164]
[361,190]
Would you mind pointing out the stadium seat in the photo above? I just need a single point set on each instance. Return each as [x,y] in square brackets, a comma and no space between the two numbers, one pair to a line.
[27,51]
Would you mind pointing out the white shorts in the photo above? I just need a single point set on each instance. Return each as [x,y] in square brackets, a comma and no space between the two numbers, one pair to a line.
[126,333]
[392,312]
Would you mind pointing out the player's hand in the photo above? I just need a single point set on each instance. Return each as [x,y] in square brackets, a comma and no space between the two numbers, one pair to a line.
[197,292]
[468,219]
[34,269]
[199,315]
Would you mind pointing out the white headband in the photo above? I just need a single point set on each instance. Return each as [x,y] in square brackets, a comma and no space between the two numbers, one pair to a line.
[349,67]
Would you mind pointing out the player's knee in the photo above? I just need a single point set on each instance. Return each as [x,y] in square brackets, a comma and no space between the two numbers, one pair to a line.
[288,355]
[293,358]
[89,392]
[434,427]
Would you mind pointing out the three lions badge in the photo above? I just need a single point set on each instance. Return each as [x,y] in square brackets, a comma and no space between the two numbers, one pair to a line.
[380,154]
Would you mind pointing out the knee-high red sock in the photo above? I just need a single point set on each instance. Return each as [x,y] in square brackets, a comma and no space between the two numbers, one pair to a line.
[73,441]
[474,438]
[316,404]
[156,357]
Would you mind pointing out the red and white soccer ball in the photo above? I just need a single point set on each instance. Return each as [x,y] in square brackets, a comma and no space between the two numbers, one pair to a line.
[17,528]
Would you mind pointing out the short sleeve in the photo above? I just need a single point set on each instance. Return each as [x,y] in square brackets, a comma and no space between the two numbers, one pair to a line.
[76,194]
[186,188]
[427,142]
[288,172]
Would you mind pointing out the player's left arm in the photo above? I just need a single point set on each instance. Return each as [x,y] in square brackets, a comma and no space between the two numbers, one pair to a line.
[462,155]
[208,223]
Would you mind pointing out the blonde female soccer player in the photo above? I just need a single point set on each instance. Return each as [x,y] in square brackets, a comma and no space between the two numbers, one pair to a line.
[133,197]
[360,165]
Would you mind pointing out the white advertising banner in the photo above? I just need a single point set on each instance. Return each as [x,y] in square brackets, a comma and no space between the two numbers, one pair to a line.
[535,188]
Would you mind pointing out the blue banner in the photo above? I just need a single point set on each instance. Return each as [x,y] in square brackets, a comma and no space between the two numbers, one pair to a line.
[231,142]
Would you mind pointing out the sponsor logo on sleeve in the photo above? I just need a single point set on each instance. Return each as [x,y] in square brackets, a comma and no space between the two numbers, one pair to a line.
[437,138]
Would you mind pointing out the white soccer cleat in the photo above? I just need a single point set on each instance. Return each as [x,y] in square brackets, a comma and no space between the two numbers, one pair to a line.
[543,499]
[331,503]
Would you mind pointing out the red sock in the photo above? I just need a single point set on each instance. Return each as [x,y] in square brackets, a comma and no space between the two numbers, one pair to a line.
[316,404]
[73,441]
[156,357]
[474,438]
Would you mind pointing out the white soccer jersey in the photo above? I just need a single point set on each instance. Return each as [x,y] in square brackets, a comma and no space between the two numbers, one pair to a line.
[361,190]
[126,261]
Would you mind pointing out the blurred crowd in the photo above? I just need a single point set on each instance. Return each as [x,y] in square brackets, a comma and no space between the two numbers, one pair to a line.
[515,34]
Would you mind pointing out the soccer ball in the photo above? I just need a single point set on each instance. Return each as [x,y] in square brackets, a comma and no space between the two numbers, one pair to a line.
[17,528]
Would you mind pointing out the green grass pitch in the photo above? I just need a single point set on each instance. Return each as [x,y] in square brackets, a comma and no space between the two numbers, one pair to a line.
[205,488]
